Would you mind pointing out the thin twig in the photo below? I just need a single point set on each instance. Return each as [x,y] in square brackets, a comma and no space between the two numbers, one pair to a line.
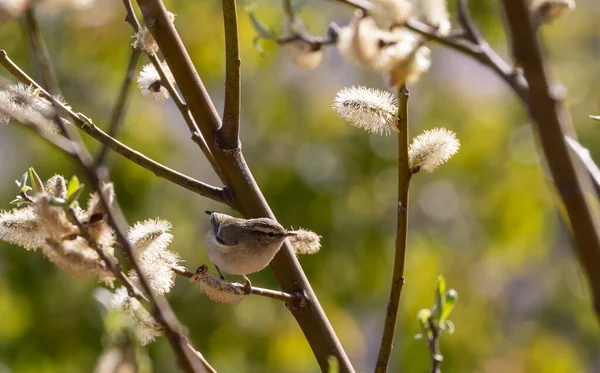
[387,339]
[118,112]
[433,344]
[161,310]
[196,186]
[40,51]
[551,120]
[291,298]
[228,135]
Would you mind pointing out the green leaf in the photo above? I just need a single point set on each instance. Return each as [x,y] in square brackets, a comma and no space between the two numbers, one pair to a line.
[58,202]
[38,185]
[595,117]
[260,28]
[450,300]
[334,365]
[438,307]
[72,186]
[74,196]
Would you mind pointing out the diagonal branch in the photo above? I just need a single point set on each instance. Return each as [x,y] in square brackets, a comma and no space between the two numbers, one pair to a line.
[118,113]
[217,194]
[389,329]
[228,136]
[551,120]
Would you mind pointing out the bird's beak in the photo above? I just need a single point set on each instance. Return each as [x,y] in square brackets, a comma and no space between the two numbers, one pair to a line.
[289,234]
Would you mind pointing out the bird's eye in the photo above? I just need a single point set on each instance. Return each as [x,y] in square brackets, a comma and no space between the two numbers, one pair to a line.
[271,234]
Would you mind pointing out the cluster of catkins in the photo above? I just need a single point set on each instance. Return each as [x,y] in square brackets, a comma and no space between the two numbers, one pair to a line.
[375,39]
[45,225]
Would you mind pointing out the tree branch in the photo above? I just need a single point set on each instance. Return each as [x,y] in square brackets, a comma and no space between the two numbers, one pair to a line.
[161,310]
[40,51]
[197,137]
[292,298]
[550,118]
[118,113]
[389,329]
[85,124]
[229,133]
[247,197]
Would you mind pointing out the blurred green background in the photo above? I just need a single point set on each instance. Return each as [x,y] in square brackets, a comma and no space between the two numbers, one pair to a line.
[486,220]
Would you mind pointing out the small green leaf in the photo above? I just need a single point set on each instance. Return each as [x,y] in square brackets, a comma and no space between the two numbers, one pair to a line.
[438,307]
[25,188]
[74,196]
[334,365]
[72,186]
[450,300]
[38,185]
[58,202]
[260,28]
[595,117]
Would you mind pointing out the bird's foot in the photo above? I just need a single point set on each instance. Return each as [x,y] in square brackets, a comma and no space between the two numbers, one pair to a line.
[247,286]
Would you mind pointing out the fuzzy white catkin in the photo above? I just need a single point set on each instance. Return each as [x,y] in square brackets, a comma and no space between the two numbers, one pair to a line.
[388,13]
[21,103]
[435,13]
[219,291]
[359,42]
[432,148]
[546,11]
[20,227]
[305,242]
[150,84]
[146,329]
[305,55]
[150,240]
[367,108]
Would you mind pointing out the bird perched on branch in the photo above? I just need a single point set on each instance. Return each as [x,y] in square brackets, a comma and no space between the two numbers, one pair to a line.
[243,246]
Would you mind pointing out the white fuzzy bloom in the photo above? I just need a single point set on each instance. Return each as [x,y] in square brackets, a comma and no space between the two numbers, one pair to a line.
[360,42]
[432,148]
[367,108]
[388,13]
[434,13]
[305,55]
[305,242]
[20,227]
[76,258]
[145,328]
[218,290]
[144,41]
[12,8]
[57,186]
[546,11]
[404,64]
[150,83]
[150,240]
[21,103]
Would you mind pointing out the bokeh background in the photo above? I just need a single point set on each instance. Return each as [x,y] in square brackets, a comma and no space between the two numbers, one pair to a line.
[486,220]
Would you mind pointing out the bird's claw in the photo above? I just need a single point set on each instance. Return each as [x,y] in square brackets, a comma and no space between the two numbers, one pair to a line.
[247,286]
